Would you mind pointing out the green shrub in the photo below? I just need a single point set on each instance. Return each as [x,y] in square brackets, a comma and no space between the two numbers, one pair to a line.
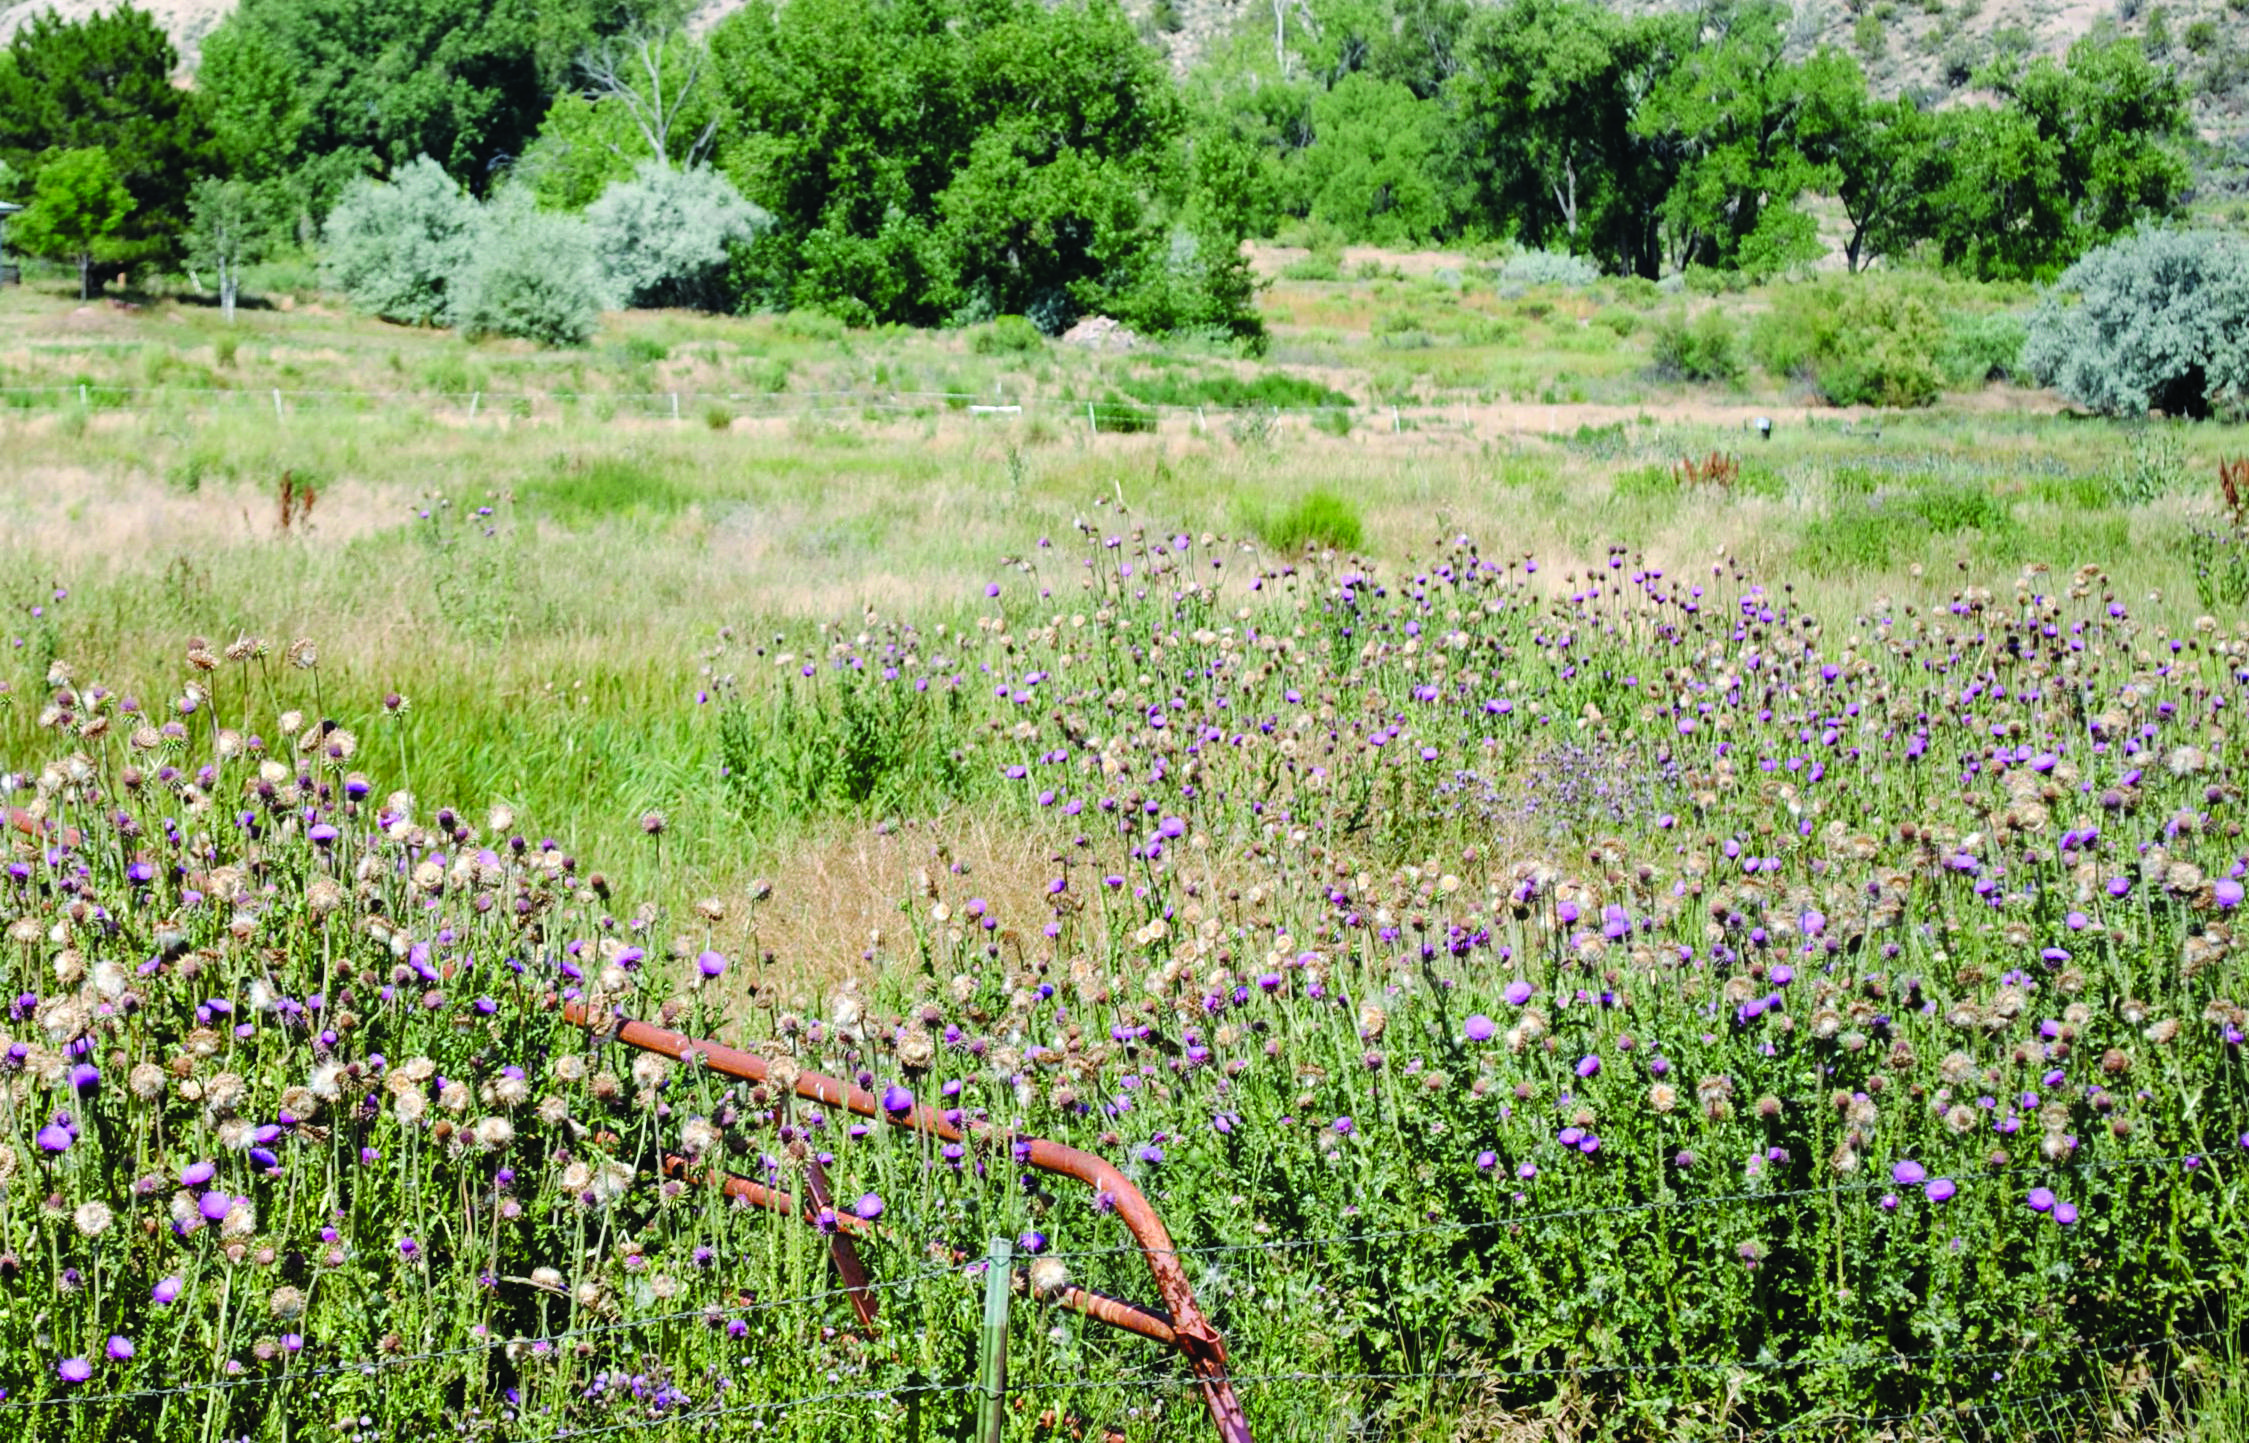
[1334,420]
[1948,507]
[1267,389]
[1644,483]
[608,487]
[1618,320]
[644,350]
[2155,321]
[533,276]
[1006,336]
[1115,413]
[1849,542]
[1703,349]
[1319,518]
[1861,340]
[1976,349]
[1318,266]
[769,374]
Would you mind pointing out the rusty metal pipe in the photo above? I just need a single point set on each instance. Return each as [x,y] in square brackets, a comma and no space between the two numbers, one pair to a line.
[1117,1313]
[1192,1333]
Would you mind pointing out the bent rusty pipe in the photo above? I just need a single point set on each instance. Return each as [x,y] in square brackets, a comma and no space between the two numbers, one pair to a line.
[1117,1313]
[1192,1333]
[32,826]
[757,1194]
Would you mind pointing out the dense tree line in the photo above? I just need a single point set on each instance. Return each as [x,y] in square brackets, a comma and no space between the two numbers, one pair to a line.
[931,161]
[1691,137]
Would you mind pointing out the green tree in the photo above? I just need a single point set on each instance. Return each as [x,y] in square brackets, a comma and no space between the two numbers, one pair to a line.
[230,225]
[1878,155]
[644,96]
[1544,105]
[1733,109]
[105,83]
[2116,121]
[78,206]
[935,159]
[344,88]
[1372,169]
[1996,207]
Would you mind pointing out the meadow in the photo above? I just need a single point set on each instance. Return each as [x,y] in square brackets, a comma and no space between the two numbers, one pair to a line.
[1583,920]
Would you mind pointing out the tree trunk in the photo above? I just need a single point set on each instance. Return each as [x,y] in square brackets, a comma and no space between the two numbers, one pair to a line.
[85,275]
[229,283]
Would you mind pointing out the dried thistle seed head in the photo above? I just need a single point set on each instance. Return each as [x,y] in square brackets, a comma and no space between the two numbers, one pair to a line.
[304,653]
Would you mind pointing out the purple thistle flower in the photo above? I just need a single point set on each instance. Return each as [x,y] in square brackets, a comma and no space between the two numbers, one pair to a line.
[1486,1161]
[896,1099]
[710,964]
[1032,1242]
[1344,1126]
[119,1348]
[2065,1213]
[85,1077]
[1480,1028]
[868,1208]
[1588,1065]
[167,1291]
[1518,992]
[196,1174]
[2041,1200]
[1939,1190]
[213,1205]
[74,1370]
[1908,1173]
[53,1138]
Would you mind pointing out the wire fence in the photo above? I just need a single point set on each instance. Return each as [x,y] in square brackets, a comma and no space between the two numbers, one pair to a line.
[2190,1161]
[1111,414]
[1849,1359]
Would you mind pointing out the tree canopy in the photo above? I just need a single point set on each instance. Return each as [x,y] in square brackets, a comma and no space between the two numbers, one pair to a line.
[105,83]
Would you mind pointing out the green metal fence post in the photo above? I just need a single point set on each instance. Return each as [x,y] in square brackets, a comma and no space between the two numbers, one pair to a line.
[999,1272]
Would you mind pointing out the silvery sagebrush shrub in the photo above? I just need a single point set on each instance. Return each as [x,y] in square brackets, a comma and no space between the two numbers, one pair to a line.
[532,274]
[395,247]
[662,237]
[2158,320]
[1526,269]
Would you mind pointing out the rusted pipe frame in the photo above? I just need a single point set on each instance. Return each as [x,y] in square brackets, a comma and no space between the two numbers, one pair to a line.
[32,826]
[840,1246]
[1192,1333]
[1117,1313]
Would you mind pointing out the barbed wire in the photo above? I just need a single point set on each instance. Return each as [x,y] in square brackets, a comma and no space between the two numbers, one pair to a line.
[776,402]
[711,1313]
[1178,1383]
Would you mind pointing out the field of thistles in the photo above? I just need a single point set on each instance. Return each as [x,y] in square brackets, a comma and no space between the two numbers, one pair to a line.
[1622,997]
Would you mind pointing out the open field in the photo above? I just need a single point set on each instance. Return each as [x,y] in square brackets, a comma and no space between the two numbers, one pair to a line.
[1620,947]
